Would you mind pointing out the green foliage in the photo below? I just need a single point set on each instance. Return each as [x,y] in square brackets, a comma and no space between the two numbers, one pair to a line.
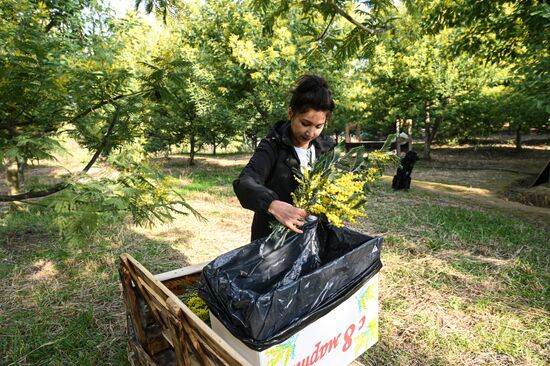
[64,68]
[416,73]
[512,33]
[49,77]
[137,189]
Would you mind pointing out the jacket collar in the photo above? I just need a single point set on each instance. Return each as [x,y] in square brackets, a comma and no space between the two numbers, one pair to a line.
[281,131]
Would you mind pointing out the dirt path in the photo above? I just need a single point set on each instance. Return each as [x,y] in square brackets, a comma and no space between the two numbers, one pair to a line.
[487,199]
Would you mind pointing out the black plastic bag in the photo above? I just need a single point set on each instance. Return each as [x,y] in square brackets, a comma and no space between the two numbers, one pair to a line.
[264,296]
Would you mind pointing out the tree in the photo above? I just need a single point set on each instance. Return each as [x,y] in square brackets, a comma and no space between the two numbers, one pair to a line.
[274,42]
[41,92]
[61,72]
[190,102]
[415,74]
[239,69]
[510,34]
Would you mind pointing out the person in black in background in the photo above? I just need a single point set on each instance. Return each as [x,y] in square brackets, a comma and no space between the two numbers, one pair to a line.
[266,182]
[402,178]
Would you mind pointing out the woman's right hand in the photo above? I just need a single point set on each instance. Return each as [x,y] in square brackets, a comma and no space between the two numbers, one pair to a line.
[288,215]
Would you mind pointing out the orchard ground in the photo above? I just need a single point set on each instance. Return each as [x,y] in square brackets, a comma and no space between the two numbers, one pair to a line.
[465,282]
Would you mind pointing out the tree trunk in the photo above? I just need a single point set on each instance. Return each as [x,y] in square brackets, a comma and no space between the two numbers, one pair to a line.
[397,147]
[214,146]
[12,177]
[427,132]
[254,142]
[435,128]
[192,149]
[14,172]
[518,138]
[21,167]
[438,122]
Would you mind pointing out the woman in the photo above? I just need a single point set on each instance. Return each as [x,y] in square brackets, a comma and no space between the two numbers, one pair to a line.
[266,182]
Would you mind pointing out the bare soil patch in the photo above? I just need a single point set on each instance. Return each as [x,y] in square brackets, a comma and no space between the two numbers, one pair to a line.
[497,176]
[227,227]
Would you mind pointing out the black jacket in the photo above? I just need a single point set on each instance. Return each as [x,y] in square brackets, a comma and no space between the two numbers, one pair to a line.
[268,175]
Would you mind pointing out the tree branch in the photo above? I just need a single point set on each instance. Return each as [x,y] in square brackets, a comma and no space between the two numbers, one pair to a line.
[8,125]
[61,186]
[102,103]
[50,25]
[264,113]
[356,23]
[326,29]
[103,143]
[34,194]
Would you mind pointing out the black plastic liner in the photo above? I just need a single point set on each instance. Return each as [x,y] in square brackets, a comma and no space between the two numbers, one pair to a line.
[263,296]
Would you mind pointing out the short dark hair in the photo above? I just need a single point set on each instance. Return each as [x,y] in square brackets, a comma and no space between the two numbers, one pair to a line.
[311,92]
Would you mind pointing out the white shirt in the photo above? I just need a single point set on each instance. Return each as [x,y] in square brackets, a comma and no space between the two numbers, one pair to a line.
[307,156]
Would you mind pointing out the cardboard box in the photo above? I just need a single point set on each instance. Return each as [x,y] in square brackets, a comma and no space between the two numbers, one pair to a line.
[336,339]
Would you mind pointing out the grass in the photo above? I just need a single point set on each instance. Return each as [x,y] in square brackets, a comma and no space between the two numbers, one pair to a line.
[61,302]
[212,180]
[461,285]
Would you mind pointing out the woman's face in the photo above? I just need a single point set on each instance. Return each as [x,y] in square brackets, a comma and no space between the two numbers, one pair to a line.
[306,126]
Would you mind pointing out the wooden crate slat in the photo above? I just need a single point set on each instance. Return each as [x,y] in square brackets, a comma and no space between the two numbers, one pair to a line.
[180,272]
[131,302]
[179,286]
[142,356]
[191,339]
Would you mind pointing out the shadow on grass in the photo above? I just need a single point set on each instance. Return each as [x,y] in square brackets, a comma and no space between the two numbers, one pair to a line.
[37,177]
[201,161]
[481,243]
[525,161]
[461,285]
[61,301]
